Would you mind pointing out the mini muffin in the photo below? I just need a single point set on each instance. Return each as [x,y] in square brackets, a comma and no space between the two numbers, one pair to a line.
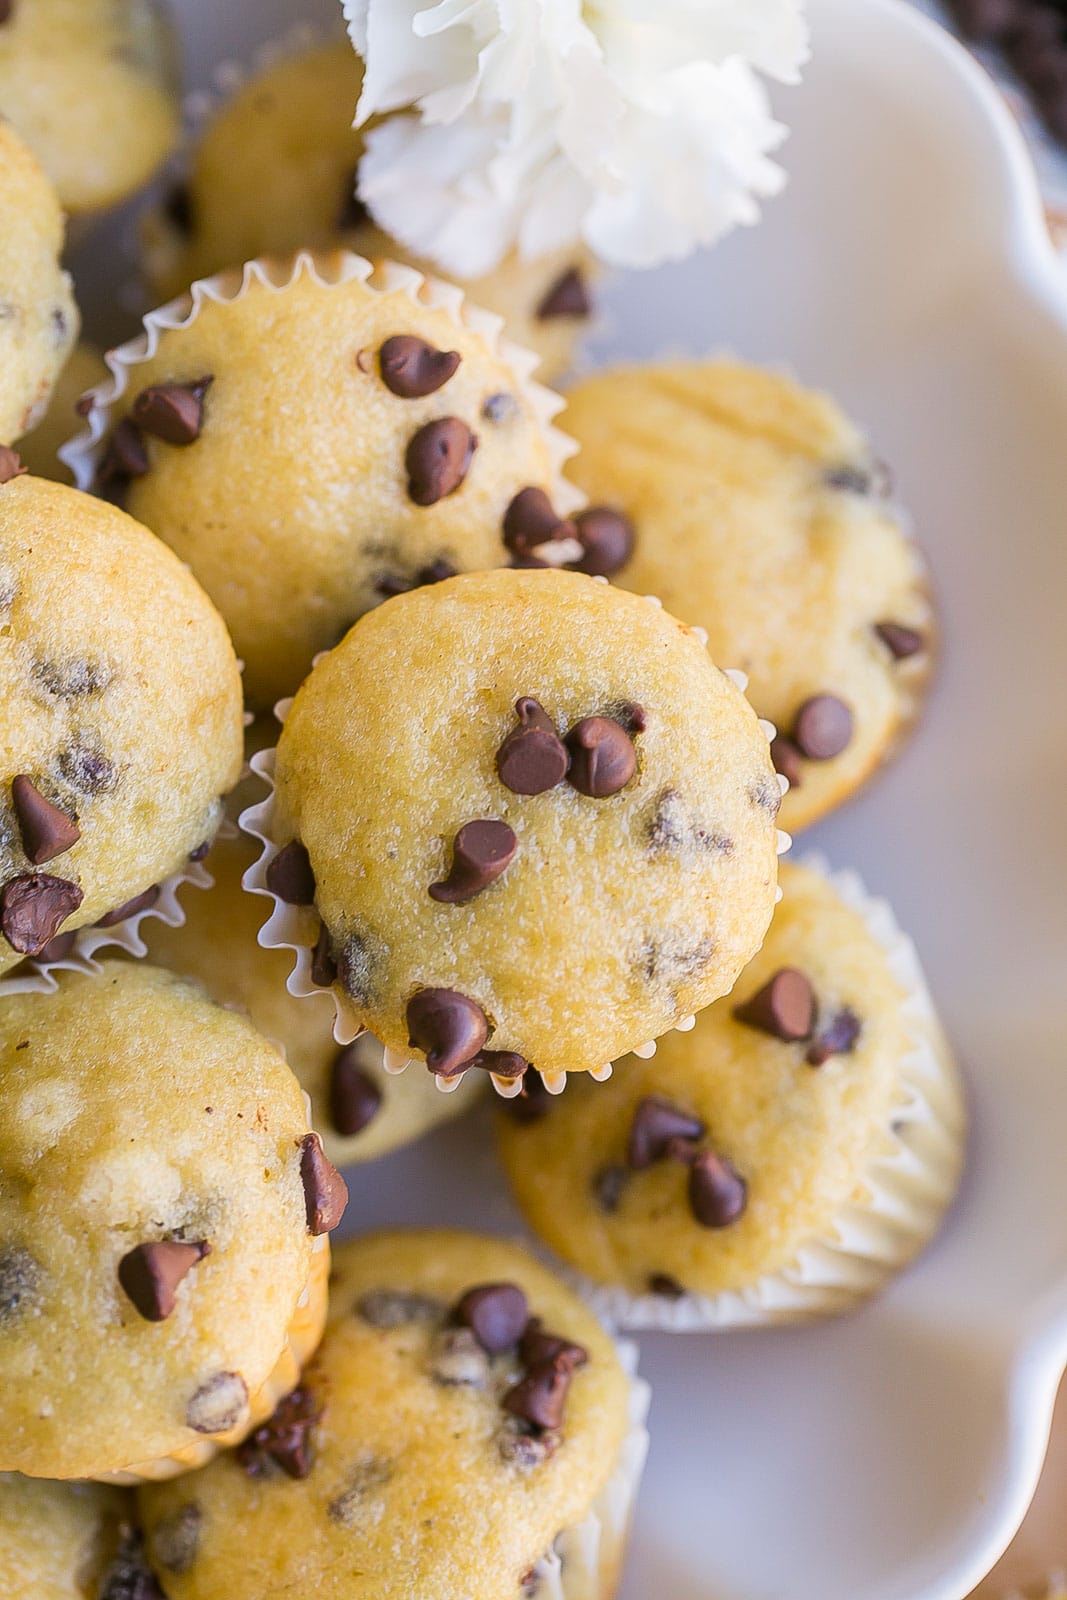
[163,1219]
[274,171]
[38,317]
[120,715]
[757,511]
[464,1412]
[90,85]
[312,443]
[57,1540]
[782,1158]
[39,450]
[361,1111]
[536,821]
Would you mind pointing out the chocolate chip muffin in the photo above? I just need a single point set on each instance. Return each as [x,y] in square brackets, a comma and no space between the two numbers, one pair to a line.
[361,1111]
[38,317]
[755,509]
[781,1159]
[58,1540]
[312,443]
[90,85]
[163,1220]
[120,715]
[522,818]
[274,171]
[465,1410]
[39,450]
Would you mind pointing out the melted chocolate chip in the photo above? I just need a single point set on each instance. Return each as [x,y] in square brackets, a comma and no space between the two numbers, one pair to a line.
[218,1405]
[367,1475]
[10,462]
[150,1274]
[323,965]
[537,1345]
[500,408]
[608,1186]
[85,767]
[718,1194]
[69,680]
[496,1313]
[567,297]
[838,1038]
[45,830]
[33,907]
[173,412]
[176,1538]
[787,759]
[448,1027]
[59,948]
[668,1288]
[655,1123]
[603,759]
[671,829]
[19,1281]
[530,520]
[356,964]
[823,727]
[355,1097]
[481,852]
[437,459]
[325,1191]
[286,1439]
[673,957]
[201,852]
[434,572]
[540,1397]
[290,876]
[351,213]
[128,1577]
[519,1447]
[412,369]
[129,908]
[901,641]
[873,480]
[125,456]
[533,758]
[178,208]
[457,1360]
[607,541]
[395,1308]
[504,1063]
[532,1104]
[784,1007]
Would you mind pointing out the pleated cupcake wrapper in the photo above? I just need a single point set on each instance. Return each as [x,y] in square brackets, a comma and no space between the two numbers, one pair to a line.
[301,1341]
[586,1559]
[908,1184]
[297,928]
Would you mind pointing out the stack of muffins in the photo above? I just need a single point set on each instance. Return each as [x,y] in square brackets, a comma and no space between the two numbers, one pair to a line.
[356,764]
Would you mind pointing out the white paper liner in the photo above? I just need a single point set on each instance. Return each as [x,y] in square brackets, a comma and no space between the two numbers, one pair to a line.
[909,1186]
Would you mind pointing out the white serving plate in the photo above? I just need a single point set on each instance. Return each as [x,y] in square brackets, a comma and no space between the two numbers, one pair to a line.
[891,1455]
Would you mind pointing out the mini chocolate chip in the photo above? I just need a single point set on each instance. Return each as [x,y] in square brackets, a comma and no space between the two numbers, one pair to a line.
[500,408]
[412,369]
[176,1538]
[151,1273]
[85,766]
[672,829]
[496,1314]
[355,1098]
[532,1104]
[19,1279]
[285,1439]
[140,902]
[717,1193]
[823,727]
[45,830]
[59,948]
[603,759]
[69,680]
[457,1360]
[530,520]
[449,1028]
[539,1398]
[218,1405]
[538,1345]
[481,853]
[290,876]
[655,1122]
[838,1038]
[351,213]
[899,640]
[323,965]
[787,759]
[173,412]
[125,455]
[434,572]
[608,1186]
[520,1448]
[607,541]
[10,460]
[356,964]
[394,1308]
[178,208]
[504,1063]
[668,1288]
[784,1007]
[128,1577]
[766,795]
[33,907]
[325,1191]
[437,459]
[368,1474]
[533,758]
[567,297]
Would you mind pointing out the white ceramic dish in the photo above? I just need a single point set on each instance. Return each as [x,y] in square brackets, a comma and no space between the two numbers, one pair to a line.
[889,1456]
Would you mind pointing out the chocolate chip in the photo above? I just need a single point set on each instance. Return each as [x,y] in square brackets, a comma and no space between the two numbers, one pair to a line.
[784,1007]
[603,759]
[437,459]
[125,456]
[449,1028]
[674,957]
[433,572]
[655,1123]
[323,965]
[504,1063]
[766,795]
[130,908]
[85,766]
[84,403]
[717,1193]
[823,727]
[285,1439]
[394,1308]
[355,1097]
[533,758]
[532,1104]
[499,408]
[672,829]
[290,877]
[900,641]
[530,520]
[838,1038]
[201,852]
[151,1273]
[60,327]
[69,680]
[356,964]
[520,1448]
[607,541]
[668,1288]
[128,1577]
[325,1191]
[10,461]
[871,480]
[787,759]
[59,948]
[218,1405]
[368,1474]
[457,1360]
[178,208]
[176,1538]
[351,213]
[608,1186]
[481,852]
[537,1346]
[45,830]
[495,1313]
[33,907]
[19,1280]
[412,369]
[173,412]
[567,297]
[7,9]
[539,1398]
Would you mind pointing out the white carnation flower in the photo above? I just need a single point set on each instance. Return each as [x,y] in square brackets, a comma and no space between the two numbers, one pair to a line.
[640,126]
